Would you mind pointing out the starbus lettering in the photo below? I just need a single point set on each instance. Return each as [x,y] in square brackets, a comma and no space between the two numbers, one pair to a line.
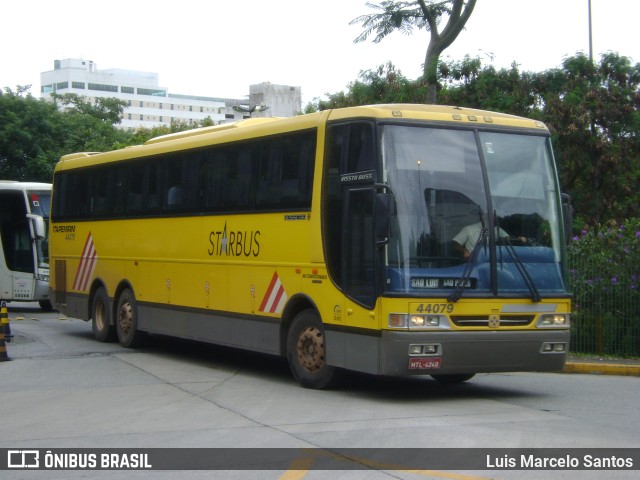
[234,243]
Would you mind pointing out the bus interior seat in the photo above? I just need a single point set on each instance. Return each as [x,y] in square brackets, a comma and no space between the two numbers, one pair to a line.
[449,212]
[174,197]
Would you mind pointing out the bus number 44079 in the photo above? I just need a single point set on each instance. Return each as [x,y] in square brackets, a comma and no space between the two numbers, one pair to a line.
[435,308]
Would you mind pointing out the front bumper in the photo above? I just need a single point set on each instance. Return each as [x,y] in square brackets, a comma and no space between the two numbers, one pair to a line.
[472,352]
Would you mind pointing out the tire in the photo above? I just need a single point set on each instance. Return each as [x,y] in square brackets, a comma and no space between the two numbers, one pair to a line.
[103,330]
[306,351]
[127,320]
[45,305]
[453,378]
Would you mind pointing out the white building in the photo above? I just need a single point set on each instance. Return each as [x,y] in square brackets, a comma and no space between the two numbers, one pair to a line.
[150,105]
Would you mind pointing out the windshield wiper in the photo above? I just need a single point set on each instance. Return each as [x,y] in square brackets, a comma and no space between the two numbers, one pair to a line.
[466,274]
[535,295]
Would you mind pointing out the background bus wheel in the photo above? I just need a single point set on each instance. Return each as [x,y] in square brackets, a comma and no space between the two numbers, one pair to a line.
[306,351]
[103,331]
[453,378]
[45,305]
[127,320]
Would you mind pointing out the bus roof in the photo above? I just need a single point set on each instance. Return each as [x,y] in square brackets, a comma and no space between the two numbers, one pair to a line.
[213,129]
[17,185]
[442,113]
[264,126]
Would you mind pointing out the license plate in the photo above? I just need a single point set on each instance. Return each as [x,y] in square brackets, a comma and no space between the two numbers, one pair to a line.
[424,363]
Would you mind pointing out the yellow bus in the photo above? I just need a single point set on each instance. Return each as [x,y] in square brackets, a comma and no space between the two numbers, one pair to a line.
[389,239]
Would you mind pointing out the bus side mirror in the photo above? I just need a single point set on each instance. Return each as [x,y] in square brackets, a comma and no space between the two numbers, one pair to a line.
[385,209]
[39,228]
[567,216]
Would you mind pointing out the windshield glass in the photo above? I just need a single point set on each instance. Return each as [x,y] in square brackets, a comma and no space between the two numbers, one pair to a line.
[446,222]
[39,204]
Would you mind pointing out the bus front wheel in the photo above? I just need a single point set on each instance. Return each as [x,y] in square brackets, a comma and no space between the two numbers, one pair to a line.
[306,351]
[101,326]
[127,320]
[453,378]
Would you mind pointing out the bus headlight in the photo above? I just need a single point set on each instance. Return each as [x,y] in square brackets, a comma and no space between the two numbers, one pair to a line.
[556,320]
[418,322]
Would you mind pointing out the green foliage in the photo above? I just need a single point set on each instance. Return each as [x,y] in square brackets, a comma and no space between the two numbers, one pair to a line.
[385,84]
[108,110]
[28,136]
[34,134]
[141,135]
[467,83]
[605,278]
[404,16]
[593,112]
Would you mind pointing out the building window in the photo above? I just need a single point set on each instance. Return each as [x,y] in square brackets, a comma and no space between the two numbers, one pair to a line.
[141,117]
[62,85]
[103,88]
[127,90]
[153,92]
[79,85]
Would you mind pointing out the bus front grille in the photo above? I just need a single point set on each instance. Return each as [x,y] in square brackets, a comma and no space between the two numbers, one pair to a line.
[484,320]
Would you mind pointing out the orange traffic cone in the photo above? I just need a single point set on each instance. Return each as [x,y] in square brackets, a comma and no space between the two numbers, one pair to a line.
[3,349]
[4,320]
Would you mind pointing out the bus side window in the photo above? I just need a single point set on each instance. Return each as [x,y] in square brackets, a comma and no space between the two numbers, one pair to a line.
[174,197]
[152,186]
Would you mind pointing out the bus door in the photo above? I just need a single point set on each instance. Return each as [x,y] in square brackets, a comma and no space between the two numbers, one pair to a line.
[350,194]
[17,266]
[359,247]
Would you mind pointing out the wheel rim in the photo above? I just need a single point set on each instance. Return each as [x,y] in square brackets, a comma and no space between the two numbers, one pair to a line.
[125,317]
[310,349]
[99,315]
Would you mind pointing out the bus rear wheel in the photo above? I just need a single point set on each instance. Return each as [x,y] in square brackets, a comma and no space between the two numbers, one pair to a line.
[306,351]
[127,320]
[103,330]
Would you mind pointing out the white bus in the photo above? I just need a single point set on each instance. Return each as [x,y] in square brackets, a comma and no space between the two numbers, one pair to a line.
[24,246]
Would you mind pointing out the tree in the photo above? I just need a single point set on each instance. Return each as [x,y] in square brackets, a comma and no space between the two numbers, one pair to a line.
[421,14]
[594,112]
[105,109]
[34,134]
[27,136]
[467,83]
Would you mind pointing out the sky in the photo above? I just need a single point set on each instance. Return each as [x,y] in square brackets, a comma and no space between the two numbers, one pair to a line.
[218,48]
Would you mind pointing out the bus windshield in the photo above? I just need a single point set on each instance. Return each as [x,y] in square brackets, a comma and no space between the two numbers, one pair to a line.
[40,204]
[474,210]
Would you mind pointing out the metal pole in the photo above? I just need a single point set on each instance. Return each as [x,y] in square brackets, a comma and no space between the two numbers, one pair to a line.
[590,35]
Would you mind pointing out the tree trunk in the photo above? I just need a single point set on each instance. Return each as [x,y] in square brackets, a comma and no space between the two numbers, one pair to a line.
[431,71]
[460,13]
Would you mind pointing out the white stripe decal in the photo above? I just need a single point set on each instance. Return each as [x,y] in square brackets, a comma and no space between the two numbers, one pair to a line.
[87,265]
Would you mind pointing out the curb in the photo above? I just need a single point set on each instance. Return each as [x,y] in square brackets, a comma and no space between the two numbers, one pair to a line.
[603,369]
